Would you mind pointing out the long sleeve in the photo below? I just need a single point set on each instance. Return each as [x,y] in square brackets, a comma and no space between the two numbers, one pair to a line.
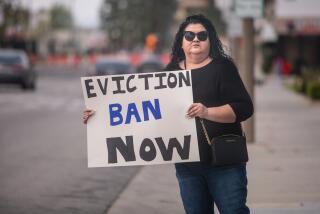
[234,93]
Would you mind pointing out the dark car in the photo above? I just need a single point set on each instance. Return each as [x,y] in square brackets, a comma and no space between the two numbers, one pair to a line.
[150,64]
[15,68]
[111,66]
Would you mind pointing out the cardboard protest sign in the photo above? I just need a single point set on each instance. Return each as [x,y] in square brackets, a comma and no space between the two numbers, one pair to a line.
[140,119]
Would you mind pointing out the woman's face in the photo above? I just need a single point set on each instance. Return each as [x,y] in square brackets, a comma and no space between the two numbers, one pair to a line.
[196,46]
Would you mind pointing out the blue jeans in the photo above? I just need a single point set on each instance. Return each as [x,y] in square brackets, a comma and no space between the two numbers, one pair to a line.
[203,185]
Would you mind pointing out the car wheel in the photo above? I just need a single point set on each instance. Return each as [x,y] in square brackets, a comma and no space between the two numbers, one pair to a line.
[28,84]
[24,86]
[33,85]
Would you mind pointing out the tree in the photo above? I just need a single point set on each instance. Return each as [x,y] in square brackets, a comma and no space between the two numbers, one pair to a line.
[15,17]
[13,14]
[214,14]
[61,17]
[128,22]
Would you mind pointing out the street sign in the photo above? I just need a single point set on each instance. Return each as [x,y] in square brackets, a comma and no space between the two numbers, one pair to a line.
[248,8]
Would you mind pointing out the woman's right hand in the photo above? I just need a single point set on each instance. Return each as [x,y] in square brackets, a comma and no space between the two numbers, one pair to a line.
[87,113]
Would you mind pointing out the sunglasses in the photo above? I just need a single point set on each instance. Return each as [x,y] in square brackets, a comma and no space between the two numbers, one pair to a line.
[202,36]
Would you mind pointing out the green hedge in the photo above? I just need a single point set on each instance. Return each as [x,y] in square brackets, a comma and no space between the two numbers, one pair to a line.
[313,89]
[297,85]
[308,83]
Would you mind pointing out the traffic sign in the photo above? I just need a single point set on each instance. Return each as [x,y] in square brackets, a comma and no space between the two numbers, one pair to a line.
[248,8]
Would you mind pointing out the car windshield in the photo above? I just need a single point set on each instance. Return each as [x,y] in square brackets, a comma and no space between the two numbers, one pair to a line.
[9,60]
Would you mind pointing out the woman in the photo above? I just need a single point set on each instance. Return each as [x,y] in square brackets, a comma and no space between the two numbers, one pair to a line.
[222,101]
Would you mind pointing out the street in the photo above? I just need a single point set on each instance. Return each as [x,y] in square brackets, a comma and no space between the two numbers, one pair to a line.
[43,154]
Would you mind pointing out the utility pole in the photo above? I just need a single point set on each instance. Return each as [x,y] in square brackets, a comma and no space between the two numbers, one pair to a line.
[248,66]
[248,10]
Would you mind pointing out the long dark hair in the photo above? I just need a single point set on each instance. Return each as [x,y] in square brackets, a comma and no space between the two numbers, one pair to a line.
[216,50]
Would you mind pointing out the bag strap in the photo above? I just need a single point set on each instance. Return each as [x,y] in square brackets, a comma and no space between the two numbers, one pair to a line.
[201,120]
[205,131]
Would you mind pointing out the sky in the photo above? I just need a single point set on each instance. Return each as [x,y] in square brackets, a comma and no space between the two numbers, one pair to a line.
[85,12]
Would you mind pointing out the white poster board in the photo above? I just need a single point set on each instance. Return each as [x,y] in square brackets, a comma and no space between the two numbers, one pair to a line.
[140,119]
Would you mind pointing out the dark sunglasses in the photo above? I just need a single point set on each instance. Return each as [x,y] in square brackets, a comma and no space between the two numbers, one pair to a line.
[202,36]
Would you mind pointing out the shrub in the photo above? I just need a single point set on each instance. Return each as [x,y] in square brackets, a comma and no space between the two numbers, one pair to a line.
[313,89]
[297,85]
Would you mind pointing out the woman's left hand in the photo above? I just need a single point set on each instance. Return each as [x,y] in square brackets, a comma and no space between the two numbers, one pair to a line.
[197,110]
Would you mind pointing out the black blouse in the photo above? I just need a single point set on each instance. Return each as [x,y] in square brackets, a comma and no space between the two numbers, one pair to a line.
[216,84]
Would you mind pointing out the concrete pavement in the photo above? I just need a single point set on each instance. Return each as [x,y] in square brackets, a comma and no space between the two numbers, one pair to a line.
[283,170]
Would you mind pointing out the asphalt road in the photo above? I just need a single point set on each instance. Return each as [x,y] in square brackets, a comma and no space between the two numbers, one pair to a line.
[43,159]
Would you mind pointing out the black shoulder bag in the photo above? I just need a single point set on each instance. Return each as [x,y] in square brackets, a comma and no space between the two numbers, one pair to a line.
[227,149]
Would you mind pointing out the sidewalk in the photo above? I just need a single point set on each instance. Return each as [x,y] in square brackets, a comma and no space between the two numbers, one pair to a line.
[284,166]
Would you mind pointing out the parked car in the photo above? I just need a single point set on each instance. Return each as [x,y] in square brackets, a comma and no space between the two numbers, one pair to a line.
[150,64]
[110,66]
[15,68]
